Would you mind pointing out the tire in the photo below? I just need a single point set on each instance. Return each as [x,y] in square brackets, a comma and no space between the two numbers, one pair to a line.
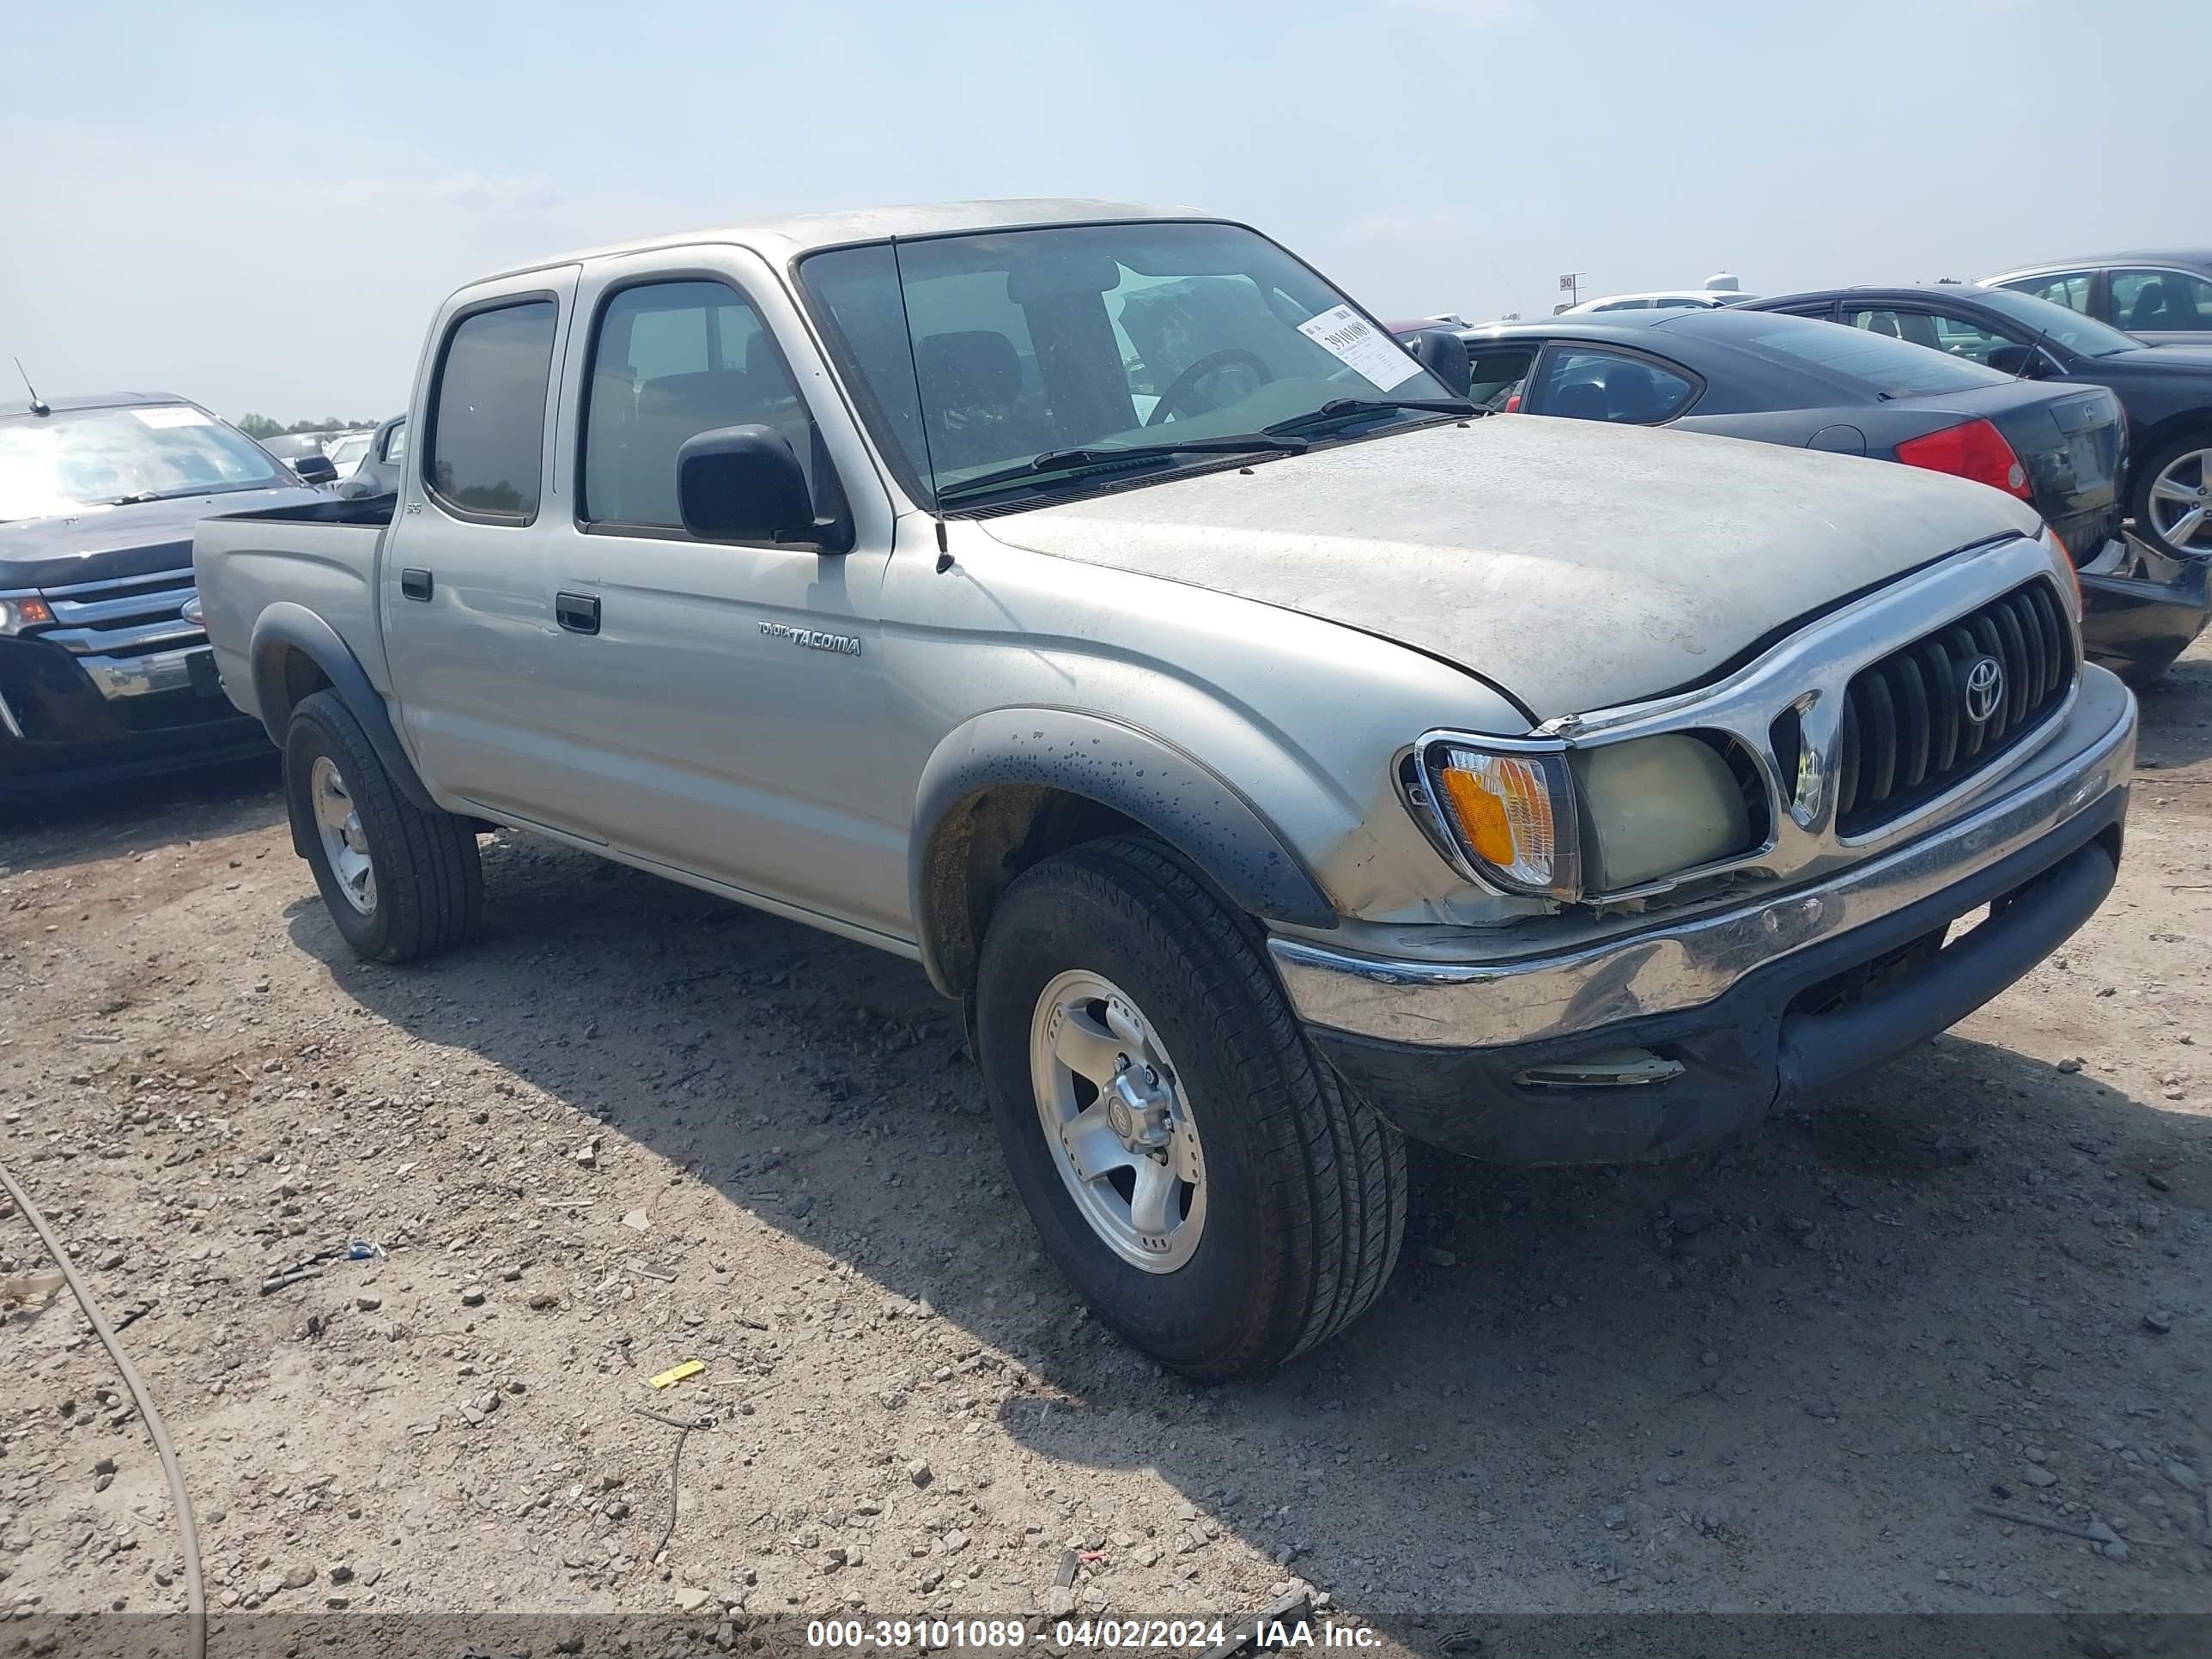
[1303,1188]
[2142,508]
[424,890]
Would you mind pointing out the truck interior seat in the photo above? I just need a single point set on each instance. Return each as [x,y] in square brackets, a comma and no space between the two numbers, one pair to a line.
[972,380]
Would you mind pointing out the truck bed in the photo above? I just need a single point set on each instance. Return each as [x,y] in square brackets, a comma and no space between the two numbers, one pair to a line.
[320,557]
[360,509]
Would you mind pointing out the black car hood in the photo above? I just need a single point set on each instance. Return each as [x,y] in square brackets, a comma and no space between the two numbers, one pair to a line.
[101,543]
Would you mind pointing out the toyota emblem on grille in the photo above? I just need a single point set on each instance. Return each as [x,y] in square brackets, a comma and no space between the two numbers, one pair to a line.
[1985,689]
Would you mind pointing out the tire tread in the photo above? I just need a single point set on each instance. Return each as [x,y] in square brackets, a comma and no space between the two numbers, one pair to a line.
[1343,1192]
[430,879]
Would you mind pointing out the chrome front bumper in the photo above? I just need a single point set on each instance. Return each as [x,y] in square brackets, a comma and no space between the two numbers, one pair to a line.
[1685,963]
[156,674]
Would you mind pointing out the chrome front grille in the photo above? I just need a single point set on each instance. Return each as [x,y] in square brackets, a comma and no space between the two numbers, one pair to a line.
[1918,720]
[129,616]
[1826,713]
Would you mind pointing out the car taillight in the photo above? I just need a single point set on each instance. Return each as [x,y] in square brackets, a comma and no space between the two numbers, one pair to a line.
[1973,450]
[1513,404]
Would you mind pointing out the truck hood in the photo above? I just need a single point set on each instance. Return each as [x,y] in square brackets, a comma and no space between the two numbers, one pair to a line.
[1576,565]
[101,543]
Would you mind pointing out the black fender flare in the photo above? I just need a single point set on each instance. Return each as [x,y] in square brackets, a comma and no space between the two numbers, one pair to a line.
[287,625]
[1140,775]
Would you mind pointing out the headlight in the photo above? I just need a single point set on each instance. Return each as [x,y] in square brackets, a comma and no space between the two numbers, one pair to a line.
[1656,806]
[21,611]
[1539,819]
[1510,811]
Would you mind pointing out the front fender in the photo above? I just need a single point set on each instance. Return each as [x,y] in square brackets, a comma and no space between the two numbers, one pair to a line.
[284,628]
[1134,773]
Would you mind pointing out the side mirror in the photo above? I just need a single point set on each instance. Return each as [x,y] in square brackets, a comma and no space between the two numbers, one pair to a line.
[2013,359]
[743,483]
[1443,354]
[316,470]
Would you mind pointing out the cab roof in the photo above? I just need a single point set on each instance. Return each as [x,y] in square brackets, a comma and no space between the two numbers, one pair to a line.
[788,238]
[98,400]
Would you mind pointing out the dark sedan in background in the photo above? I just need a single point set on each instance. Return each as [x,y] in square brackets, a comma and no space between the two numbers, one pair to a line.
[1740,373]
[2167,392]
[104,671]
[2163,296]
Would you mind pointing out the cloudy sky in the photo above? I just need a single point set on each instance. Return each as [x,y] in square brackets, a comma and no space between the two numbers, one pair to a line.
[259,206]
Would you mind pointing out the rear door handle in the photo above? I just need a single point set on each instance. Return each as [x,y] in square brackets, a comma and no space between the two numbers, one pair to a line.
[415,584]
[577,613]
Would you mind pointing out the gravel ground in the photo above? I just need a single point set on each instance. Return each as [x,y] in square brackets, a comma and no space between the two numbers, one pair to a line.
[633,1127]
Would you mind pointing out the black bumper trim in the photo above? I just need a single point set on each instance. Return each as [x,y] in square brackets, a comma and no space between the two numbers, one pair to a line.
[1748,1052]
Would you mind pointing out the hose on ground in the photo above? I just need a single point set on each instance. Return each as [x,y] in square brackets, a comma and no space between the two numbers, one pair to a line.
[195,1582]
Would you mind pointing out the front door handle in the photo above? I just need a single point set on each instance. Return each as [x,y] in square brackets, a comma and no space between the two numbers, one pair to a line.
[577,613]
[415,584]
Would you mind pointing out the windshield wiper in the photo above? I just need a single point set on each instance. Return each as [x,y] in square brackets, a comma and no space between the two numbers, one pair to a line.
[133,501]
[1061,460]
[1347,409]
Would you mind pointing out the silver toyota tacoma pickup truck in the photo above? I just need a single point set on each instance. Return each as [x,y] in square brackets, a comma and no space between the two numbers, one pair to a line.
[1273,756]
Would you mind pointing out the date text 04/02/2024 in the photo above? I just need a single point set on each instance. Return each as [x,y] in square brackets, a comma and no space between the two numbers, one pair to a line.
[1201,1636]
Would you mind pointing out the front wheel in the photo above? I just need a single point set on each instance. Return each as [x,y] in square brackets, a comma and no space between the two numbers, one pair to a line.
[1204,1181]
[399,882]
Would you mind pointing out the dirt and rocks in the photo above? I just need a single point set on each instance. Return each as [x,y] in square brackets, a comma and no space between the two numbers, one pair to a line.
[635,1128]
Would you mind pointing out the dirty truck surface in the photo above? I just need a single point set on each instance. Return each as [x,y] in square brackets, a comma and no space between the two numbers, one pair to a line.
[633,1127]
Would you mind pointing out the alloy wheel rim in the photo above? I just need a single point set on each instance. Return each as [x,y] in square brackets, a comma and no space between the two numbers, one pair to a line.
[345,843]
[1116,1122]
[2181,500]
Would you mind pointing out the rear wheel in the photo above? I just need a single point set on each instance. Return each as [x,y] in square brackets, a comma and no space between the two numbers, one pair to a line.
[400,883]
[1204,1181]
[2173,503]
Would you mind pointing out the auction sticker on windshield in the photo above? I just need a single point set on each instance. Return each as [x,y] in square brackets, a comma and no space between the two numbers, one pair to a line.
[1360,346]
[166,415]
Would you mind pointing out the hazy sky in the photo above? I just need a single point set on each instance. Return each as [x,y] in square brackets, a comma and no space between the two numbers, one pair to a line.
[260,207]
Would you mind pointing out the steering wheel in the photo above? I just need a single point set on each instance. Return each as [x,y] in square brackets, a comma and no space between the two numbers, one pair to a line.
[1198,371]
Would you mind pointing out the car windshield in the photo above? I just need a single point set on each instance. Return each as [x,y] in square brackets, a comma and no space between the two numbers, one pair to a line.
[73,459]
[975,355]
[2069,329]
[1877,363]
[348,450]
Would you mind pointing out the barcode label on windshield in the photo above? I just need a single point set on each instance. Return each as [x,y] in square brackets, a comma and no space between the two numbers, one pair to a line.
[161,415]
[1360,346]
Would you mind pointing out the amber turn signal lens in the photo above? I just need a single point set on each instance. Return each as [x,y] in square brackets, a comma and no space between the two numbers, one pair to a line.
[1507,810]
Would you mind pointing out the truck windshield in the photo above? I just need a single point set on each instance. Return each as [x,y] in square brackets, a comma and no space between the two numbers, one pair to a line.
[75,458]
[974,354]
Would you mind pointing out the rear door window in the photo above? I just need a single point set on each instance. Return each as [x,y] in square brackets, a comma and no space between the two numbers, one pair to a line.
[2161,302]
[486,442]
[1587,383]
